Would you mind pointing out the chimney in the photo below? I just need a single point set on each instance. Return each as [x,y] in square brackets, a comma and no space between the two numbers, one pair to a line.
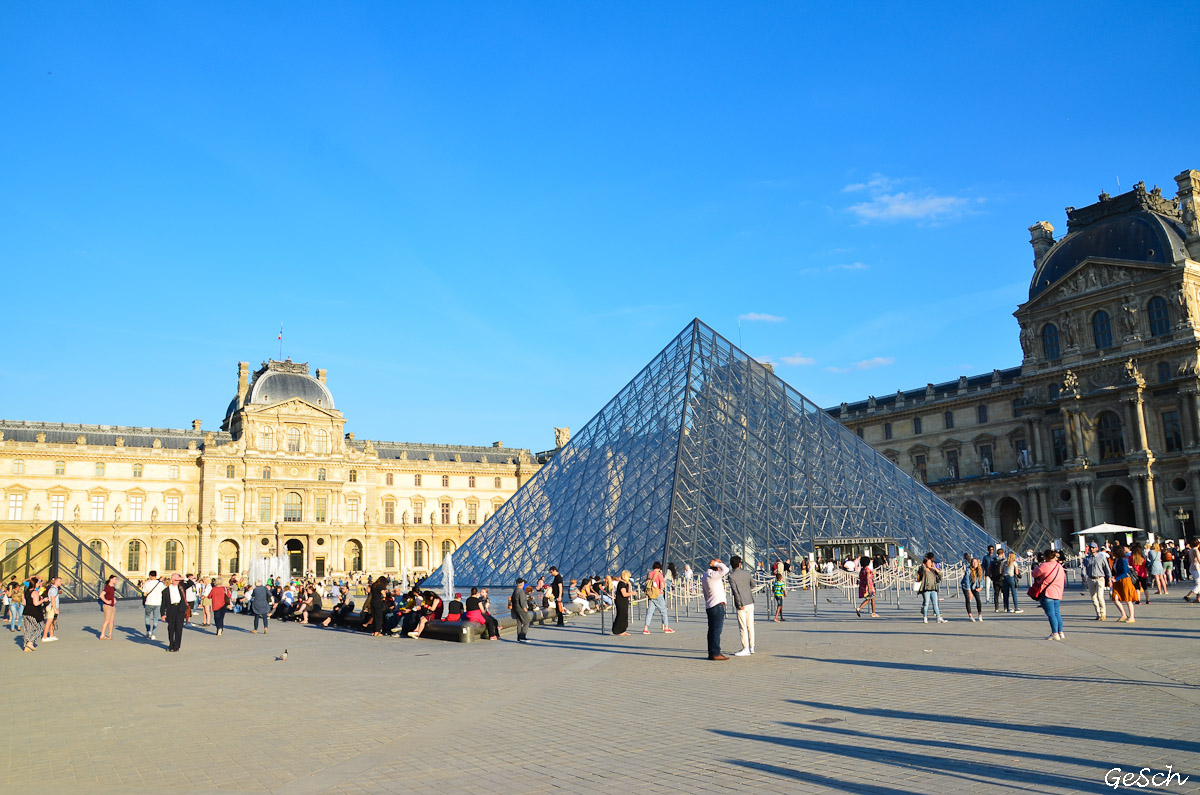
[350,437]
[497,444]
[1041,237]
[321,371]
[243,382]
[195,425]
[1189,186]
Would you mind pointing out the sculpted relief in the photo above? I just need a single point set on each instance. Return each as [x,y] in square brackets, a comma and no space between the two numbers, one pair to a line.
[1095,277]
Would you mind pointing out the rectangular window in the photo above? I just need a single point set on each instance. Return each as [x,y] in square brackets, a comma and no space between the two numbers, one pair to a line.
[498,482]
[18,467]
[97,507]
[416,480]
[952,464]
[264,508]
[60,467]
[135,507]
[389,511]
[58,507]
[16,504]
[985,459]
[418,512]
[319,509]
[172,509]
[982,412]
[445,481]
[887,430]
[173,472]
[471,482]
[472,513]
[916,425]
[1058,440]
[352,510]
[445,506]
[948,418]
[230,508]
[99,470]
[920,470]
[860,433]
[137,470]
[1022,450]
[390,479]
[1172,436]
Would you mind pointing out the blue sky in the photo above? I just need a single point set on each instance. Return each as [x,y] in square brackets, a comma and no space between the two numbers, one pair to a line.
[483,219]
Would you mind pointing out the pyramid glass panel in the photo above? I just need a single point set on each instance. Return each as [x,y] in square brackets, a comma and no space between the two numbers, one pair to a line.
[57,552]
[706,453]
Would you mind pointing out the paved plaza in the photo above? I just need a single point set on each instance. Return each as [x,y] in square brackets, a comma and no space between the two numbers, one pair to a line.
[827,704]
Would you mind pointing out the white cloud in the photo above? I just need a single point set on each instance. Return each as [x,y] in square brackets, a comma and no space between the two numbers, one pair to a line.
[865,364]
[885,203]
[761,317]
[798,360]
[850,266]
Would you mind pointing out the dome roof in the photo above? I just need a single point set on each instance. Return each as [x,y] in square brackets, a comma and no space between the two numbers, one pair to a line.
[1133,227]
[276,382]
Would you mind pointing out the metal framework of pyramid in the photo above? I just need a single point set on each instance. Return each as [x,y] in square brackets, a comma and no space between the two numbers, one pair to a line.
[706,453]
[57,552]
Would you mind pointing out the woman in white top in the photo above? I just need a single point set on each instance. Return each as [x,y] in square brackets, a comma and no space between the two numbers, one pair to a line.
[205,602]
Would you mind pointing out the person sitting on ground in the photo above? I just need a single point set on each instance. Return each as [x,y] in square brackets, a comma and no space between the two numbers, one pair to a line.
[577,599]
[337,616]
[431,610]
[455,610]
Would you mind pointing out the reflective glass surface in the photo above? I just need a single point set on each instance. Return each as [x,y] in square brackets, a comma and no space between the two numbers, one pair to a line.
[57,552]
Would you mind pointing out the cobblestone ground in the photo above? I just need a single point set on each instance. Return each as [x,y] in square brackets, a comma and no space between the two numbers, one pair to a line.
[827,704]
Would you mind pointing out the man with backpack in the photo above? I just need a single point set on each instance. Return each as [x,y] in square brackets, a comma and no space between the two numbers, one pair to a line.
[656,598]
[152,591]
[995,574]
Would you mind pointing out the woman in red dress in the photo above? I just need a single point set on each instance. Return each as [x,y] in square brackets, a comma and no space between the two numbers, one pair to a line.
[866,586]
[108,601]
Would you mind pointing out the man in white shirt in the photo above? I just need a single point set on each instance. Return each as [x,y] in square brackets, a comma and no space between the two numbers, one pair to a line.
[714,605]
[152,594]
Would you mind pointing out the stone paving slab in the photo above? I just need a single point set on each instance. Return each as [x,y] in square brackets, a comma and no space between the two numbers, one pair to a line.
[827,704]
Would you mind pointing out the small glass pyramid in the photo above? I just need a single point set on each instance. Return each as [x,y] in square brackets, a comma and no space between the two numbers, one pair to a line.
[57,552]
[706,453]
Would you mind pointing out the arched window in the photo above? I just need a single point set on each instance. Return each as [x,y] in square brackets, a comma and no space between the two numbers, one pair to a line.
[419,554]
[10,547]
[97,546]
[266,473]
[1102,330]
[322,441]
[389,555]
[1164,372]
[133,556]
[171,556]
[321,473]
[1159,316]
[293,440]
[353,556]
[266,438]
[447,548]
[1050,341]
[293,507]
[1108,436]
[227,557]
[353,475]
[229,471]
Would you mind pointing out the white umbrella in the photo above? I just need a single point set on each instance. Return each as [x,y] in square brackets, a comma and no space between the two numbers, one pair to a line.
[448,578]
[1105,528]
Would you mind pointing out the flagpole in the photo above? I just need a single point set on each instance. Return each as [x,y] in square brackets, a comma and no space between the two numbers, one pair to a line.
[280,342]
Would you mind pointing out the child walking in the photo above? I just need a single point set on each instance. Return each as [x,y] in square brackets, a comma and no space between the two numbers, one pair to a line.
[779,589]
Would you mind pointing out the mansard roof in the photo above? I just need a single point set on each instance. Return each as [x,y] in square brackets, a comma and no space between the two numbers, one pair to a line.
[68,433]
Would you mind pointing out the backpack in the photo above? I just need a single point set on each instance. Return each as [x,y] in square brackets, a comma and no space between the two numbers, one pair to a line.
[994,569]
[652,589]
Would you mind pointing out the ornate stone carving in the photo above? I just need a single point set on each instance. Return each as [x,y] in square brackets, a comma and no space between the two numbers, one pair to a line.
[1129,322]
[561,437]
[1185,302]
[76,513]
[41,437]
[1131,373]
[1070,326]
[1027,342]
[1106,376]
[1070,383]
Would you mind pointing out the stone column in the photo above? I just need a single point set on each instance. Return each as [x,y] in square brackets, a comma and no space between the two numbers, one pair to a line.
[1074,441]
[1089,506]
[1077,506]
[1151,503]
[1139,413]
[1139,504]
[1187,413]
[1035,428]
[1194,476]
[1131,423]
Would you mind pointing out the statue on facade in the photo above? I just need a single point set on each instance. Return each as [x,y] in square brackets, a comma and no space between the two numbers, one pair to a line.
[561,437]
[1132,373]
[1070,383]
[1070,326]
[153,515]
[76,513]
[1129,309]
[1027,340]
[460,517]
[116,514]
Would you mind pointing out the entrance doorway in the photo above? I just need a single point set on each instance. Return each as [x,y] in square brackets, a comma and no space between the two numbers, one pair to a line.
[295,553]
[1010,516]
[320,567]
[1116,503]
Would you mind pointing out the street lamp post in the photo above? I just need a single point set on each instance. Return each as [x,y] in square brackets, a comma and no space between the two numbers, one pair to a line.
[1182,516]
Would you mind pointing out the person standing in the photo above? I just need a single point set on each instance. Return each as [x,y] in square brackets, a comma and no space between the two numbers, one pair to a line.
[1012,573]
[742,585]
[50,632]
[1157,571]
[1191,559]
[556,593]
[1049,580]
[260,605]
[1098,574]
[929,577]
[971,586]
[622,593]
[152,593]
[190,591]
[218,596]
[521,611]
[174,611]
[656,598]
[108,602]
[713,586]
[35,613]
[16,605]
[986,563]
[779,590]
[1124,592]
[866,586]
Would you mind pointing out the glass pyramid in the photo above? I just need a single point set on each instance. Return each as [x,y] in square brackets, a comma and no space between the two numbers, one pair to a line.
[706,453]
[57,552]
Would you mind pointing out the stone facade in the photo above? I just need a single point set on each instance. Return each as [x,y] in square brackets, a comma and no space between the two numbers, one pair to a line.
[282,477]
[1100,422]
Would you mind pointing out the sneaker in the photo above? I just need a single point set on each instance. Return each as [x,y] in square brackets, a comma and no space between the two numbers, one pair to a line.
[1053,636]
[942,620]
[752,650]
[668,630]
[981,616]
[1018,611]
[925,619]
[742,653]
[48,640]
[1061,635]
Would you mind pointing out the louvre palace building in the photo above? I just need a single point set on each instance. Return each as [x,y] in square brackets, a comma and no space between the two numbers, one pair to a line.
[1099,423]
[280,478]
